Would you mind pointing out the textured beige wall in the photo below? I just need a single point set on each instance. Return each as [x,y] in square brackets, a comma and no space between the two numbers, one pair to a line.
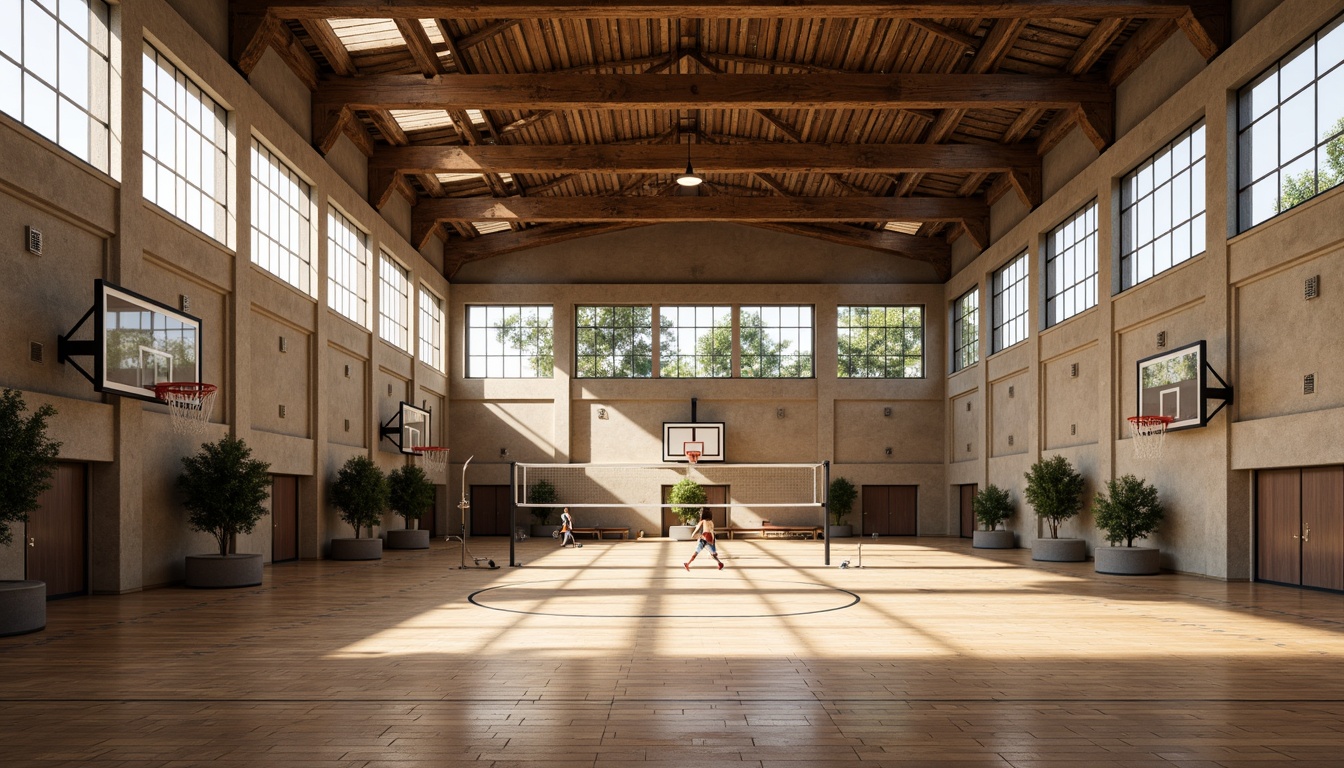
[1243,296]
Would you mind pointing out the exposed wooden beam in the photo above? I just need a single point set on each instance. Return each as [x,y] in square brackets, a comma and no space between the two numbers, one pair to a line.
[250,34]
[603,209]
[721,158]
[486,32]
[420,47]
[324,37]
[1138,48]
[709,9]
[1096,45]
[933,251]
[968,41]
[534,237]
[1209,27]
[749,91]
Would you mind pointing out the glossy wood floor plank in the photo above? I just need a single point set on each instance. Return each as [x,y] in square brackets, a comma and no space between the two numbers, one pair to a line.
[610,655]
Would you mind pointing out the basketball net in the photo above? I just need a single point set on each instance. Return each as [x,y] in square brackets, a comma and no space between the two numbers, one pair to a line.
[1149,433]
[433,458]
[693,451]
[189,404]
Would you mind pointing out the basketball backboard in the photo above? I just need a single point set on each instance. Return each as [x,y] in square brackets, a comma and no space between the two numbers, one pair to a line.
[137,343]
[1175,384]
[408,428]
[677,434]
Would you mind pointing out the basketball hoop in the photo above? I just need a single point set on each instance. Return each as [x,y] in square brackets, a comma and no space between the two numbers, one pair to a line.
[435,457]
[189,404]
[1149,433]
[693,451]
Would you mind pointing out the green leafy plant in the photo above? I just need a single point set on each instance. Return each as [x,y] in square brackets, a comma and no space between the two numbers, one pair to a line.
[1055,491]
[27,460]
[409,493]
[360,493]
[223,488]
[542,492]
[841,499]
[992,506]
[1128,510]
[688,496]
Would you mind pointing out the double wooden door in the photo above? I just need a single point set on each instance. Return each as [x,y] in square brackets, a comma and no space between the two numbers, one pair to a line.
[490,505]
[968,509]
[55,540]
[714,494]
[284,518]
[1300,526]
[891,510]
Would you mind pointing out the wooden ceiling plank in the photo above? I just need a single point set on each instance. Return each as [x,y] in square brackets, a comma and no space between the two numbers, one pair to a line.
[708,9]
[674,91]
[926,249]
[1096,45]
[968,41]
[420,46]
[533,237]
[602,209]
[389,127]
[250,34]
[485,33]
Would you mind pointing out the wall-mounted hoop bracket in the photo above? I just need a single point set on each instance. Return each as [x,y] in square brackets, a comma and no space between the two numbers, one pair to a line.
[1222,394]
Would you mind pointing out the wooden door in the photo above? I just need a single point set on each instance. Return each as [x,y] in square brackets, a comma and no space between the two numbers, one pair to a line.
[967,510]
[714,494]
[284,518]
[1323,527]
[904,510]
[1278,523]
[874,501]
[490,510]
[55,536]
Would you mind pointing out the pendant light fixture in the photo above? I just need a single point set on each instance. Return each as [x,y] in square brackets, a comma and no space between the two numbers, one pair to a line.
[690,178]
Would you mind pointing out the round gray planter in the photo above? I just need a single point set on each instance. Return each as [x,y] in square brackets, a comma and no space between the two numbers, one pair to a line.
[23,607]
[543,531]
[1128,561]
[215,572]
[1059,550]
[357,549]
[680,532]
[407,539]
[840,531]
[993,540]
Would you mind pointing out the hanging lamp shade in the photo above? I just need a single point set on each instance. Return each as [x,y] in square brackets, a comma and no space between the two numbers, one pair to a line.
[690,178]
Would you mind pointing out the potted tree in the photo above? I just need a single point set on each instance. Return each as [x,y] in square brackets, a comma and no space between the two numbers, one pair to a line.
[542,492]
[360,495]
[223,488]
[992,507]
[687,496]
[410,494]
[27,461]
[1055,491]
[1128,510]
[840,500]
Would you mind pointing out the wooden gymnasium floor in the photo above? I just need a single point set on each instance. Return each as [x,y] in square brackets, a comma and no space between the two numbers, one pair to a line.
[612,655]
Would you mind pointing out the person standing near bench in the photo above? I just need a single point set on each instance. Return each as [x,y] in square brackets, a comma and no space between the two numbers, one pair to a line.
[704,530]
[567,529]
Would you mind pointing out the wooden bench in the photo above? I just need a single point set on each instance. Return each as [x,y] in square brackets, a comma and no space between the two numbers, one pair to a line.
[601,533]
[790,530]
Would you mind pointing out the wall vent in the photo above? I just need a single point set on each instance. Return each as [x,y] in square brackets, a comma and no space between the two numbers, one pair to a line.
[33,238]
[1010,439]
[1073,429]
[1313,287]
[968,447]
[1309,384]
[888,450]
[347,370]
[184,301]
[886,411]
[1073,370]
[1161,339]
[347,425]
[284,412]
[35,351]
[389,390]
[1012,391]
[968,406]
[284,344]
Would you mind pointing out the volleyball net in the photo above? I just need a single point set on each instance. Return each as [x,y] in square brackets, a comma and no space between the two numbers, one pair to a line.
[636,486]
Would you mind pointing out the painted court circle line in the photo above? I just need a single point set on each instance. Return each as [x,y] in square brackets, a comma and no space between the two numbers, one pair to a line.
[472,598]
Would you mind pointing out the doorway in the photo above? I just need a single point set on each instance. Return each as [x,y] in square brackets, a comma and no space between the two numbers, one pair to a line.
[891,510]
[968,510]
[490,505]
[714,494]
[55,535]
[1299,527]
[284,518]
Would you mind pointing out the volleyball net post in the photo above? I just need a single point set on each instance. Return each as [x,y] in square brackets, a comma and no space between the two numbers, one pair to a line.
[759,488]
